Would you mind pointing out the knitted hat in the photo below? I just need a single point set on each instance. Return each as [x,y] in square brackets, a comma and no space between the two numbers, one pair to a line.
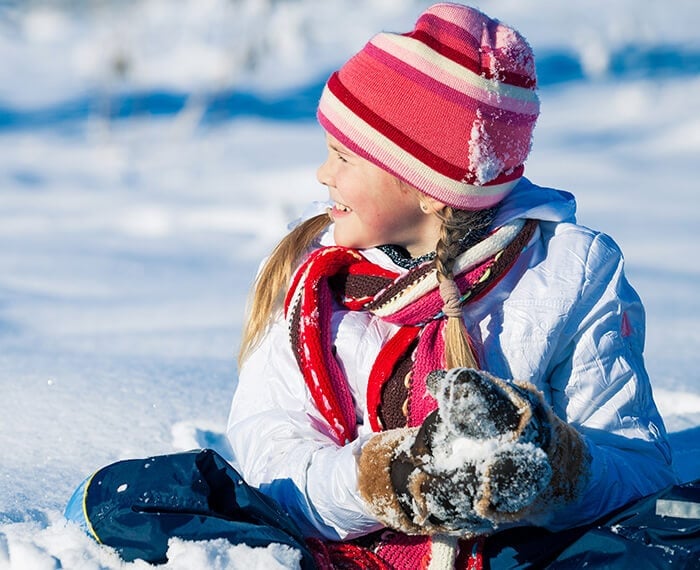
[448,107]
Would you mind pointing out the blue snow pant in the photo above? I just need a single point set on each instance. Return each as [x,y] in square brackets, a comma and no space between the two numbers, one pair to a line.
[657,532]
[136,506]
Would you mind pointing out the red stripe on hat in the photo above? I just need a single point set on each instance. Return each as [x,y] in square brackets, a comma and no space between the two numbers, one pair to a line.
[444,91]
[395,135]
[464,59]
[502,75]
[471,58]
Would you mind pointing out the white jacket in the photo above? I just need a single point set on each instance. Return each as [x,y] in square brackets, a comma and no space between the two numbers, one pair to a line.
[564,317]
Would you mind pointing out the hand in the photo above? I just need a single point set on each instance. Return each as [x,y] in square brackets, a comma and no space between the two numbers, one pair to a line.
[488,455]
[482,451]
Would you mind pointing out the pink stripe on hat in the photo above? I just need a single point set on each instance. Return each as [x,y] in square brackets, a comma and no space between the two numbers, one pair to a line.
[491,38]
[420,67]
[449,107]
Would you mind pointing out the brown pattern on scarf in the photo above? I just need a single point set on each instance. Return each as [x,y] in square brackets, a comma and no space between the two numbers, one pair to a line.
[395,393]
[359,286]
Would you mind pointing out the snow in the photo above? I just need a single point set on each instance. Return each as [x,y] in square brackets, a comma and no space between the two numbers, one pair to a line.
[152,151]
[481,153]
[480,443]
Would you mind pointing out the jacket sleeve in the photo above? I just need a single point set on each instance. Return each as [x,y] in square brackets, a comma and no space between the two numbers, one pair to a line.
[599,384]
[282,444]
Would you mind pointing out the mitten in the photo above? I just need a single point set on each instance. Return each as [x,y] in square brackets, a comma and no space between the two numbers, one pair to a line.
[492,452]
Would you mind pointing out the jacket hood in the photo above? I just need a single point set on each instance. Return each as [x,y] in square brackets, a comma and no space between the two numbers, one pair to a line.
[527,200]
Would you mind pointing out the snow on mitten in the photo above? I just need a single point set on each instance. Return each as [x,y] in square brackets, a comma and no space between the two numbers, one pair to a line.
[493,452]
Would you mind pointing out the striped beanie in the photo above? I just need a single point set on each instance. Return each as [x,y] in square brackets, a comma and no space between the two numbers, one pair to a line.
[448,107]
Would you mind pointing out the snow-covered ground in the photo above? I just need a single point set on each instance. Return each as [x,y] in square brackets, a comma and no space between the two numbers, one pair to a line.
[152,151]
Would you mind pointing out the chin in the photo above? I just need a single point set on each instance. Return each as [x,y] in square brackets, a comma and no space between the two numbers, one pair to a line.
[349,241]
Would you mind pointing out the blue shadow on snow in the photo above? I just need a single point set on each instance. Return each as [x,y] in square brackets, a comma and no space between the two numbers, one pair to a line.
[555,67]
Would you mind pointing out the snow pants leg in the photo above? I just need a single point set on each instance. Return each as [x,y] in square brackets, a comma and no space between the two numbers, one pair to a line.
[655,533]
[136,506]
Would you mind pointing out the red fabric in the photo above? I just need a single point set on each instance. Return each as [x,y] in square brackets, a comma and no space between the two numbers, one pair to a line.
[470,53]
[403,552]
[383,368]
[396,552]
[345,556]
[346,276]
[321,370]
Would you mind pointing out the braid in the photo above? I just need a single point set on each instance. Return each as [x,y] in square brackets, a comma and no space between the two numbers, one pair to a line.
[448,246]
[460,230]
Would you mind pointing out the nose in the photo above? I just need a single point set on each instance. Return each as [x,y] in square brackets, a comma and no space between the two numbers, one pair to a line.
[323,173]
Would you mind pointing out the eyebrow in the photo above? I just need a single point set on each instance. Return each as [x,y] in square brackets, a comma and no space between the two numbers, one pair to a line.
[337,149]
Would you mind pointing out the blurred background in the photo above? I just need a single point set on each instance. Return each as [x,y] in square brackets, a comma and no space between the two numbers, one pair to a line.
[68,61]
[153,151]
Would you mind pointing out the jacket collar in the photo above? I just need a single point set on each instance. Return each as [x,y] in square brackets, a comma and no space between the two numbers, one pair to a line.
[527,200]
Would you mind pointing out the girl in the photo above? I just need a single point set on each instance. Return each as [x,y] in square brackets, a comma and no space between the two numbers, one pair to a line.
[444,355]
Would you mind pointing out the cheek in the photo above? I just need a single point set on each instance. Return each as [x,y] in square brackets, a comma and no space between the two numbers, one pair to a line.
[391,223]
[379,215]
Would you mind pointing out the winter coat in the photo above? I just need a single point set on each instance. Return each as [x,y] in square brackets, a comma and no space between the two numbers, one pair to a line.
[564,318]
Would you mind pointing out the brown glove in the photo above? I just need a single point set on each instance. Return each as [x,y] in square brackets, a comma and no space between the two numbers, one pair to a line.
[493,452]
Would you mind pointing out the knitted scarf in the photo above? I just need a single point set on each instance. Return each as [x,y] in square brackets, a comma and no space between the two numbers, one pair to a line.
[343,275]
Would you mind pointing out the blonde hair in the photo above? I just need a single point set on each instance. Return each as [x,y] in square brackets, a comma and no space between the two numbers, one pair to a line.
[273,279]
[460,229]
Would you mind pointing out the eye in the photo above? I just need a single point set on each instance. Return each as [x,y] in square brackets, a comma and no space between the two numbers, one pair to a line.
[341,158]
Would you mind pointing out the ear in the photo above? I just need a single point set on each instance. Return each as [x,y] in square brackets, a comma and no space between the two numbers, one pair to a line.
[427,204]
[430,205]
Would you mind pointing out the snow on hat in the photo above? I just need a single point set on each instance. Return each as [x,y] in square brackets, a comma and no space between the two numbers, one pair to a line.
[448,107]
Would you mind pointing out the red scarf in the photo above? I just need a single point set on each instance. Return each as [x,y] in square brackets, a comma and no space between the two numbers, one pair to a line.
[412,301]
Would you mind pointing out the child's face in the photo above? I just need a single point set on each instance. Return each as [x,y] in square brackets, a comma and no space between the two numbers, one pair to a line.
[371,207]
